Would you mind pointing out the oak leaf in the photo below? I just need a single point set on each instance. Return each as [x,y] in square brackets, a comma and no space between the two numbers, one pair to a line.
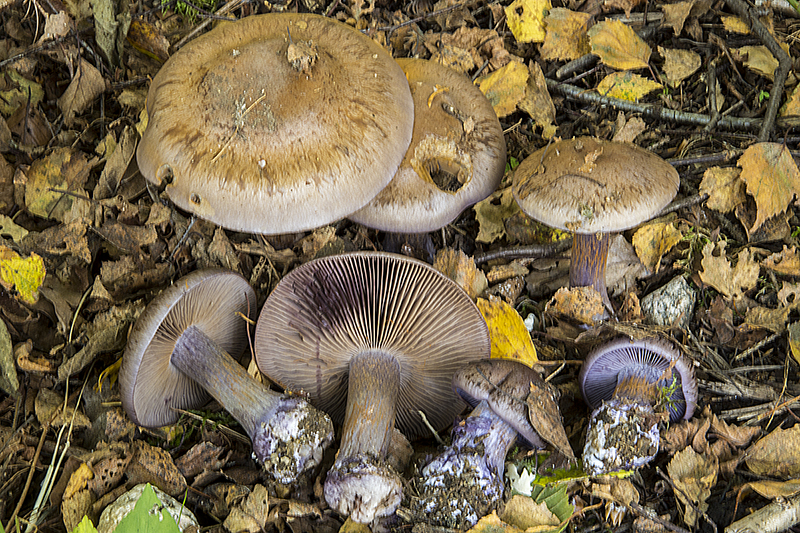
[772,179]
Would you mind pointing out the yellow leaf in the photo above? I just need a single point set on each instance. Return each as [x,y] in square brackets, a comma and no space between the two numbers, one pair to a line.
[653,240]
[792,106]
[759,59]
[505,87]
[734,24]
[582,304]
[724,188]
[626,86]
[675,15]
[525,19]
[772,179]
[786,262]
[794,340]
[679,64]
[537,102]
[717,271]
[24,275]
[492,524]
[566,37]
[618,45]
[510,338]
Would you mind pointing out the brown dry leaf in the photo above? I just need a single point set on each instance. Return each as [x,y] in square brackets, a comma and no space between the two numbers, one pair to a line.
[789,294]
[482,45]
[525,19]
[694,474]
[49,407]
[251,514]
[545,417]
[653,240]
[84,88]
[566,38]
[626,5]
[491,214]
[626,86]
[759,59]
[537,102]
[461,268]
[449,55]
[772,179]
[777,454]
[146,38]
[109,183]
[734,24]
[618,490]
[583,304]
[675,15]
[724,188]
[155,466]
[510,338]
[732,282]
[792,106]
[77,499]
[618,45]
[628,130]
[771,319]
[794,340]
[505,87]
[679,64]
[56,25]
[623,267]
[64,169]
[492,524]
[18,91]
[786,262]
[523,512]
[775,489]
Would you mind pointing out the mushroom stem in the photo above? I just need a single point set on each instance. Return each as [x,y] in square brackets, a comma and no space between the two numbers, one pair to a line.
[587,263]
[360,484]
[288,435]
[463,482]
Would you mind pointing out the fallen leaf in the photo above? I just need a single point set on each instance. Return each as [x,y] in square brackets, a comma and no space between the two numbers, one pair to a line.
[491,214]
[730,281]
[461,268]
[789,294]
[724,188]
[618,45]
[10,228]
[510,337]
[695,474]
[774,489]
[9,383]
[522,512]
[537,102]
[734,24]
[675,15]
[505,87]
[777,454]
[786,262]
[64,169]
[653,240]
[566,38]
[792,106]
[626,5]
[545,417]
[56,25]
[769,318]
[628,130]
[251,514]
[626,86]
[85,87]
[772,179]
[50,409]
[794,340]
[22,92]
[583,304]
[679,64]
[24,276]
[146,38]
[759,59]
[525,19]
[492,524]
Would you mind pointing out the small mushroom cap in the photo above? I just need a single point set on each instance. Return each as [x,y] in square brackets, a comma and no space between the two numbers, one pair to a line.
[504,384]
[588,185]
[330,309]
[276,123]
[213,300]
[608,364]
[457,155]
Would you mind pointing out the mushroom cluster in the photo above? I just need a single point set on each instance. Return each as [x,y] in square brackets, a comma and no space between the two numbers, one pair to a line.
[593,188]
[374,339]
[624,381]
[178,353]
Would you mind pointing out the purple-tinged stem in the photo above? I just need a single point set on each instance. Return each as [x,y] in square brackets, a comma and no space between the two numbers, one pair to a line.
[587,263]
[288,435]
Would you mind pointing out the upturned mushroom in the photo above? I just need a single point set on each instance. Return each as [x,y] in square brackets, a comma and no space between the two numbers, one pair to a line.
[457,154]
[276,123]
[593,188]
[465,481]
[374,339]
[625,381]
[178,352]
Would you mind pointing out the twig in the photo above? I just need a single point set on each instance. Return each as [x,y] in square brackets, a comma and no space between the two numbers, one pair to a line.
[683,203]
[688,498]
[757,346]
[230,6]
[784,63]
[534,251]
[641,511]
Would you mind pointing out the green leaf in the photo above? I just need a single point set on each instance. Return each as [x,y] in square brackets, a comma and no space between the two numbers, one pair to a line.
[148,515]
[85,526]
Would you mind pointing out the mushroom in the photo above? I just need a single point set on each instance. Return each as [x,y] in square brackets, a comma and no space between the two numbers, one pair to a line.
[625,381]
[593,188]
[276,123]
[457,154]
[374,339]
[179,350]
[465,481]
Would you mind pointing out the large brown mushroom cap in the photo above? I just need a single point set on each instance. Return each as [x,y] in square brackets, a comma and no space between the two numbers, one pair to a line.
[456,158]
[588,185]
[328,310]
[276,123]
[213,300]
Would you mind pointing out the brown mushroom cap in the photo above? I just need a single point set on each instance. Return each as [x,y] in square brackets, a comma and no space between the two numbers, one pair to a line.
[331,309]
[276,123]
[212,300]
[456,158]
[588,185]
